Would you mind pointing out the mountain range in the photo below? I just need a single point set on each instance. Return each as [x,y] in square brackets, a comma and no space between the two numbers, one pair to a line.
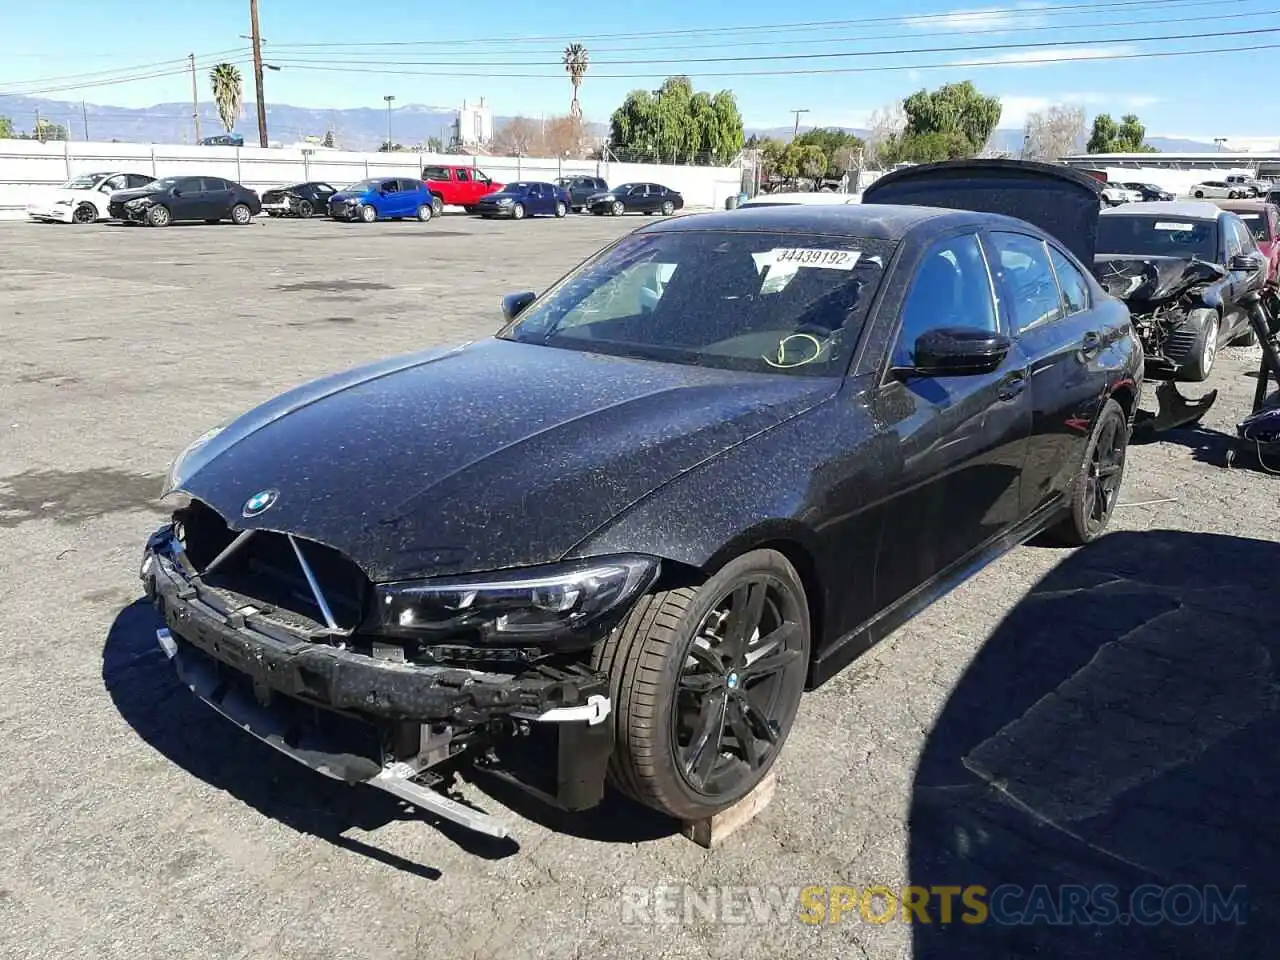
[361,128]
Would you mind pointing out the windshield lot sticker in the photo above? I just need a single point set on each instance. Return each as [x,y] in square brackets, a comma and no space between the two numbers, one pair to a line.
[1175,226]
[814,257]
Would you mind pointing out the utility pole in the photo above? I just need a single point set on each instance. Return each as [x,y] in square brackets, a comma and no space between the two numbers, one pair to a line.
[195,96]
[37,133]
[796,132]
[257,72]
[389,97]
[84,114]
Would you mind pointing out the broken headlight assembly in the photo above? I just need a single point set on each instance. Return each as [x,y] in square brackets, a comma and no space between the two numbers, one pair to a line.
[560,605]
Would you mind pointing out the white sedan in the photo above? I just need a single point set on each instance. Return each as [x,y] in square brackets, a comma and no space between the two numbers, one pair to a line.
[1217,190]
[83,199]
[814,198]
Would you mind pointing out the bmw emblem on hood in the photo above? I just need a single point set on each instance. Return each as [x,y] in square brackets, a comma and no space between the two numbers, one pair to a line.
[260,502]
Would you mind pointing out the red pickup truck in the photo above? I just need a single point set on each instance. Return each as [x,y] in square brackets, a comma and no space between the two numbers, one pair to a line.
[459,186]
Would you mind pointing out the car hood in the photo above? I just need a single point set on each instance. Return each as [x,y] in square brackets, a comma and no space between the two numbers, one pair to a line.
[121,196]
[347,195]
[491,455]
[499,194]
[1140,279]
[1061,201]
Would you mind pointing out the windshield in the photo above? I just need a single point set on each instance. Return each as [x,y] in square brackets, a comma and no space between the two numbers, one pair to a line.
[518,187]
[83,182]
[1158,236]
[1257,225]
[362,186]
[766,302]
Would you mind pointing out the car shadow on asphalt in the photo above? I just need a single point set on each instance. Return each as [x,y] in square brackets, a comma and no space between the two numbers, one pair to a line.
[1111,753]
[146,690]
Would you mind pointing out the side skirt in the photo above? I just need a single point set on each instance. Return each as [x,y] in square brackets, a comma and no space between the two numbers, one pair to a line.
[858,641]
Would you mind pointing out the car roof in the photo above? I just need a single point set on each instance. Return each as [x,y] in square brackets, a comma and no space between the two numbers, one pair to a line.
[868,221]
[1185,209]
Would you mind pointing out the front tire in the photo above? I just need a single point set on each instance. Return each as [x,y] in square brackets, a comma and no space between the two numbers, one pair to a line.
[158,216]
[1205,349]
[1199,194]
[618,209]
[241,214]
[85,213]
[518,211]
[368,214]
[1233,195]
[1097,487]
[706,682]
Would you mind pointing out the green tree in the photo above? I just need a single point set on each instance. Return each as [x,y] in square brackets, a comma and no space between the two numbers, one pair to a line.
[6,129]
[575,64]
[228,93]
[924,148]
[673,124]
[1127,136]
[435,145]
[954,110]
[838,146]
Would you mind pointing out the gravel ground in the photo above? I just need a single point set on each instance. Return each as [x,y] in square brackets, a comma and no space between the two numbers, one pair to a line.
[1088,729]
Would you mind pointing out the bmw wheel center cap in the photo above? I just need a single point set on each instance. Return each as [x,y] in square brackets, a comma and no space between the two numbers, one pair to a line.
[260,502]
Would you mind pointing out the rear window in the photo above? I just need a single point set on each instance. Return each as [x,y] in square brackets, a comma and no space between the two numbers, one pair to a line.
[756,301]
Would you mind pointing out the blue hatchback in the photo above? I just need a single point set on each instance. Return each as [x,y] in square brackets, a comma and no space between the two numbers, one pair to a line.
[383,198]
[525,198]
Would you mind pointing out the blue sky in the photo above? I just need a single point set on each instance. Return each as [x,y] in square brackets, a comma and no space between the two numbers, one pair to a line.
[1199,96]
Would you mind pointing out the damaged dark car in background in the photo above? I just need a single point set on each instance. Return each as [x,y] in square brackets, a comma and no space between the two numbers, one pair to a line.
[700,474]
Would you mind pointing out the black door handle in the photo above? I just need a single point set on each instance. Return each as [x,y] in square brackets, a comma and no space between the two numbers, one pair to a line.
[1090,344]
[1012,385]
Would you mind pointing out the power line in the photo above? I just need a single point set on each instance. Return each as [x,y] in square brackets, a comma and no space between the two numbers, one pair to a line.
[941,18]
[118,71]
[895,68]
[898,52]
[116,81]
[364,57]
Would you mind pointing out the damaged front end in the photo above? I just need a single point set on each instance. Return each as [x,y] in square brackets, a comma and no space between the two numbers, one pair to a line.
[385,684]
[1169,300]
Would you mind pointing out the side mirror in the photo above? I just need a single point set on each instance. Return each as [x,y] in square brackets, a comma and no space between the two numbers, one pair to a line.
[1244,263]
[513,304]
[957,352]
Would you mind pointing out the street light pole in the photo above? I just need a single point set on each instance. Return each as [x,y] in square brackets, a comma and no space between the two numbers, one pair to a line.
[796,132]
[388,98]
[195,97]
[257,72]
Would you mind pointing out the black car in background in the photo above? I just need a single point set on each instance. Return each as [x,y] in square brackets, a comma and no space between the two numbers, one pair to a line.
[300,200]
[698,475]
[582,189]
[1149,191]
[181,199]
[636,198]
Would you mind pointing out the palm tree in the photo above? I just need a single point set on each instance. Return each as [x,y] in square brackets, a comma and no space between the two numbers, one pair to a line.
[575,64]
[228,93]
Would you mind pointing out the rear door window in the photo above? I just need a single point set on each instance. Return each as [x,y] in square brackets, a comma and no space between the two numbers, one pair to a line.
[463,175]
[1024,272]
[1075,289]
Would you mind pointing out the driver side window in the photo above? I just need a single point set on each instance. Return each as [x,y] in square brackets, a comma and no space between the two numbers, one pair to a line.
[951,288]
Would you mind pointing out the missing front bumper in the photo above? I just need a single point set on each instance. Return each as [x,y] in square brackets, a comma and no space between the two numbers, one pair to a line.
[383,723]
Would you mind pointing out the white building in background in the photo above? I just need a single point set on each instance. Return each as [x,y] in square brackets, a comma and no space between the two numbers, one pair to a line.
[473,127]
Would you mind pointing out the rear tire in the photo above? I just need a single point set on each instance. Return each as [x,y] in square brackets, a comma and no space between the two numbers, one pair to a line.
[241,214]
[1097,486]
[561,210]
[668,208]
[1204,352]
[698,664]
[425,213]
[1233,195]
[305,210]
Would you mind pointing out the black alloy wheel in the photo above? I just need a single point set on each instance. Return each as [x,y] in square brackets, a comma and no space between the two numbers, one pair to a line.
[305,210]
[706,683]
[1097,487]
[85,213]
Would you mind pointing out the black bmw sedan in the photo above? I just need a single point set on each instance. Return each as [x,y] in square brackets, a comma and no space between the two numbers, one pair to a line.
[636,198]
[698,475]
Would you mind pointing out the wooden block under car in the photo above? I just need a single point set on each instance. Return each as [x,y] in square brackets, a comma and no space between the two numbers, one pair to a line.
[712,831]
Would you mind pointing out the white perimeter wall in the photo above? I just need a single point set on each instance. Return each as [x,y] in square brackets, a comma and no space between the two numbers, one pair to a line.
[28,166]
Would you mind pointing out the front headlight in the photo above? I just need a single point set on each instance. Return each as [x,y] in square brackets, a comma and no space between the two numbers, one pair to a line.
[136,202]
[553,604]
[504,201]
[175,478]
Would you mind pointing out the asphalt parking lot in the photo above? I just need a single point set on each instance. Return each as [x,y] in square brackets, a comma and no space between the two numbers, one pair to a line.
[1115,723]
